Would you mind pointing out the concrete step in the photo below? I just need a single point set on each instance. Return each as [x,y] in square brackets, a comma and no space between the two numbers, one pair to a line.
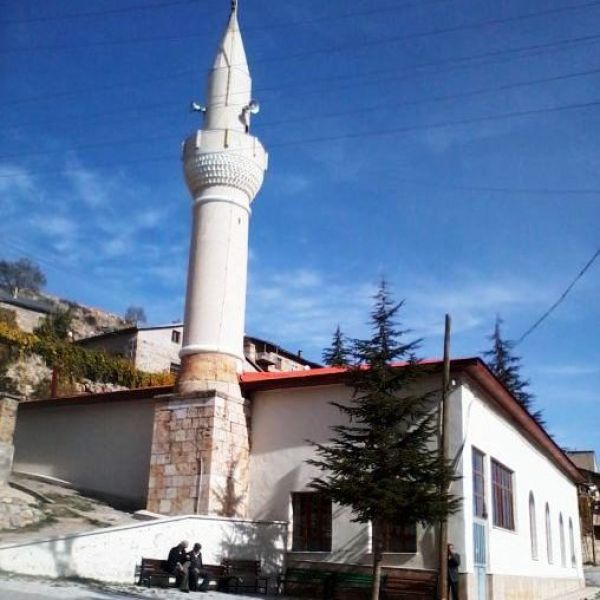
[587,593]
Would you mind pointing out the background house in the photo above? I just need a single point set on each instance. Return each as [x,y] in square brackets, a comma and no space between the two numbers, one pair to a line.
[589,504]
[156,349]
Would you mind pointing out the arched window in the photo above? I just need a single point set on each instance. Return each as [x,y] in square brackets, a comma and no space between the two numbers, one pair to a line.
[548,534]
[561,531]
[533,527]
[572,543]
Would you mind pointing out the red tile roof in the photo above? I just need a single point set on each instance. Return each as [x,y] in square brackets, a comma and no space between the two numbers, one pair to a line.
[474,368]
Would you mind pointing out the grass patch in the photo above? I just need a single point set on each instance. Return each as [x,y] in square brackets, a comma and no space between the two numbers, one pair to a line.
[79,503]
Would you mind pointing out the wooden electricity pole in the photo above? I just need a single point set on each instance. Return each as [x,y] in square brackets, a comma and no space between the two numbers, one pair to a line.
[443,449]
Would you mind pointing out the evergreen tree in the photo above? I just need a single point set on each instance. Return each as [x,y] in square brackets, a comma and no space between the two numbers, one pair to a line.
[383,464]
[338,354]
[506,366]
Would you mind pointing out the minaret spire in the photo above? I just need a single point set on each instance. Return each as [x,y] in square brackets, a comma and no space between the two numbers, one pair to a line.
[229,87]
[224,168]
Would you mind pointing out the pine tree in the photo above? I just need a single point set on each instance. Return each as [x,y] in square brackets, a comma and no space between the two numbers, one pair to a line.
[506,366]
[338,354]
[382,464]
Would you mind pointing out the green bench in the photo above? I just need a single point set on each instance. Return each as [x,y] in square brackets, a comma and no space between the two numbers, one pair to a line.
[354,586]
[312,583]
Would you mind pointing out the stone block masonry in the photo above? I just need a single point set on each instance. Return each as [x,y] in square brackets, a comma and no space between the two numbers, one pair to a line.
[8,419]
[200,454]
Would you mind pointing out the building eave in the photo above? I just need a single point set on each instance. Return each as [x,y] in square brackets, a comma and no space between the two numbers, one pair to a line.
[137,394]
[505,401]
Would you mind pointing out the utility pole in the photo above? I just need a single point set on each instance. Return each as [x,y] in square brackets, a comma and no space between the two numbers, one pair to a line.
[443,449]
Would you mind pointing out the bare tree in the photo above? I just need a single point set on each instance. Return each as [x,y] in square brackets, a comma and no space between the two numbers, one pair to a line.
[135,315]
[20,275]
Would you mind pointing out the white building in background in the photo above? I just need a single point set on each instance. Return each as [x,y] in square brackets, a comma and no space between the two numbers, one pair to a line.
[156,349]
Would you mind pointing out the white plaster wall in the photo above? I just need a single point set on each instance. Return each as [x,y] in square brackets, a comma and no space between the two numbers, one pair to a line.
[282,422]
[112,554]
[509,552]
[103,448]
[155,351]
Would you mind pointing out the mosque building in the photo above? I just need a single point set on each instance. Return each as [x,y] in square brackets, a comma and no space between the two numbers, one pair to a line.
[225,443]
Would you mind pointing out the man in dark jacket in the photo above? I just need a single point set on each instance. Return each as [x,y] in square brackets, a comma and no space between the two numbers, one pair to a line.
[453,564]
[196,571]
[178,564]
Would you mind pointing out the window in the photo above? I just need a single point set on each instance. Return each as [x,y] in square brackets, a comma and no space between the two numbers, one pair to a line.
[502,493]
[561,532]
[132,348]
[549,534]
[176,336]
[311,518]
[397,537]
[478,485]
[533,527]
[572,543]
[174,368]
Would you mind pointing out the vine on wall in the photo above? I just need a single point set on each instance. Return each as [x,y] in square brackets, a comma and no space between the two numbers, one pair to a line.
[76,363]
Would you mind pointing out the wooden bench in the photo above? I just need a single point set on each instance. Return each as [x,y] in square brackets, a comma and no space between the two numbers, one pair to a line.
[410,585]
[153,573]
[312,583]
[354,586]
[243,576]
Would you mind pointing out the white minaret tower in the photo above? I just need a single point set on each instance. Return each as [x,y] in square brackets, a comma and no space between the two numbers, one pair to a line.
[200,446]
[224,167]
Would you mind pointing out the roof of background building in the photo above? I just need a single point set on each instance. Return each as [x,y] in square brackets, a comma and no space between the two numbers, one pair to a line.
[37,305]
[135,329]
[475,369]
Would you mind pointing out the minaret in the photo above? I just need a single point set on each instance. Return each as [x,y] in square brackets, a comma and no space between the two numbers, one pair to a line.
[224,167]
[200,445]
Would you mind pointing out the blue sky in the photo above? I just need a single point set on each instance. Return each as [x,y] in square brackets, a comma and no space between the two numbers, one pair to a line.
[452,146]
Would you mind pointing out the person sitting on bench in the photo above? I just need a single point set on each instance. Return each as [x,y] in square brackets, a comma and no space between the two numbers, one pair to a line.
[196,571]
[178,564]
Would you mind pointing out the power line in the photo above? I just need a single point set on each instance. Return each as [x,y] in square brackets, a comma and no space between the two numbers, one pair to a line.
[99,13]
[365,134]
[441,98]
[350,46]
[362,109]
[93,90]
[433,32]
[410,128]
[561,298]
[202,32]
[536,48]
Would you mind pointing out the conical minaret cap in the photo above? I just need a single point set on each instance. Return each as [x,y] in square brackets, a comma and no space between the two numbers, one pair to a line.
[229,84]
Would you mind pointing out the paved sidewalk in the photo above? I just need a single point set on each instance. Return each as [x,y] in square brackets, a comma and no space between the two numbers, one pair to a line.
[588,593]
[17,587]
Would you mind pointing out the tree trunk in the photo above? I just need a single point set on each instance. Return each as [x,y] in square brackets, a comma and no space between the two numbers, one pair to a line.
[377,559]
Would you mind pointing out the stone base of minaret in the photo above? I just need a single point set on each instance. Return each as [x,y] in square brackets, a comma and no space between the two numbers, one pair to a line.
[200,445]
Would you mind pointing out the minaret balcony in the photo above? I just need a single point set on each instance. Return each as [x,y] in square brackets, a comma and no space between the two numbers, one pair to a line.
[224,158]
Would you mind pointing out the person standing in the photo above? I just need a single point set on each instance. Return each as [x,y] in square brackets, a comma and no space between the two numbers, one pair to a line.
[196,571]
[453,564]
[178,565]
